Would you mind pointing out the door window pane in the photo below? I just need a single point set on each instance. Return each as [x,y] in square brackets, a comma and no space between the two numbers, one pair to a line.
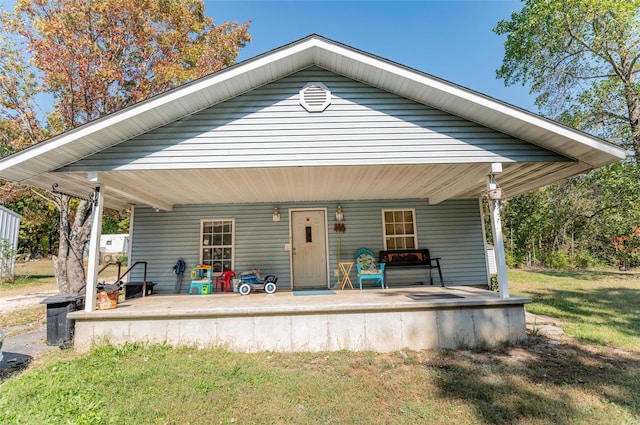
[308,234]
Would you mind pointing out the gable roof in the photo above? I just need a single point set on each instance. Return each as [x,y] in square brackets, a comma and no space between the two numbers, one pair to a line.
[37,164]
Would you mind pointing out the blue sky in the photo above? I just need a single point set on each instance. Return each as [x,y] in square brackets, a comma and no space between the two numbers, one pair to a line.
[451,39]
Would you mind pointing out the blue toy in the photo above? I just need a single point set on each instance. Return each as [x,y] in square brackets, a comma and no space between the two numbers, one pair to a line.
[251,281]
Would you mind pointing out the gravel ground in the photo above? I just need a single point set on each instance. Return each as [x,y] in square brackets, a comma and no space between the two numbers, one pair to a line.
[20,349]
[22,301]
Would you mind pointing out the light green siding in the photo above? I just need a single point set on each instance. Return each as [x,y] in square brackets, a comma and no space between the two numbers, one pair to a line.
[451,230]
[267,127]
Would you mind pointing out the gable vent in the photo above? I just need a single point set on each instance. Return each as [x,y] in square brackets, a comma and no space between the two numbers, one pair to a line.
[315,97]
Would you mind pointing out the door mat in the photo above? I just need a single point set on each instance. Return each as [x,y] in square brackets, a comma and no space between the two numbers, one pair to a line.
[422,297]
[303,292]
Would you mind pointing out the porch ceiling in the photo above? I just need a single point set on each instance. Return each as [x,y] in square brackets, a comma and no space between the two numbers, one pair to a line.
[163,189]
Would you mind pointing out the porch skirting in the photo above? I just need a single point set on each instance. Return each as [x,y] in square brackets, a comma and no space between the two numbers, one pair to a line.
[394,319]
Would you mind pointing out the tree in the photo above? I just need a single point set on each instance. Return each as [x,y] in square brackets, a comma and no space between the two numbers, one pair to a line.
[38,234]
[96,57]
[580,58]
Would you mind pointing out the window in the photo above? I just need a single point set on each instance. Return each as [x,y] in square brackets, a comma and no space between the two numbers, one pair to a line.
[216,241]
[399,229]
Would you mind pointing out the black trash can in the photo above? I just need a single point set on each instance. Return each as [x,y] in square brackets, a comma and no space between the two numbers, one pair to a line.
[59,328]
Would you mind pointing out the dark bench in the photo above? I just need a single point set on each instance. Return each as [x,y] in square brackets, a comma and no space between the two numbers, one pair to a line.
[412,258]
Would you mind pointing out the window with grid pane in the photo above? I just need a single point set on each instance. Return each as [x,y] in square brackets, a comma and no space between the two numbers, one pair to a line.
[399,229]
[216,240]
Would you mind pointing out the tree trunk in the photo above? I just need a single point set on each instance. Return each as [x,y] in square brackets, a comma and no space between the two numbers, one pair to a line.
[633,109]
[69,264]
[80,234]
[60,262]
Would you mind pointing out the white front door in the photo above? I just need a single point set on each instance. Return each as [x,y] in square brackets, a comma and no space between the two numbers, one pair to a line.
[309,249]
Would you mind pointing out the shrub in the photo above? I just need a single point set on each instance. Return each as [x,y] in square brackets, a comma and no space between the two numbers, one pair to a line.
[512,260]
[557,260]
[7,256]
[124,259]
[583,259]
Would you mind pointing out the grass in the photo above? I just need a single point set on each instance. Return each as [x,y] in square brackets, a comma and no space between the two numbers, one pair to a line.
[158,384]
[39,276]
[21,321]
[596,307]
[592,379]
[30,276]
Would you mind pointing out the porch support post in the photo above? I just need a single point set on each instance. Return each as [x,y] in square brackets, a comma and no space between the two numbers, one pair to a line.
[498,243]
[94,252]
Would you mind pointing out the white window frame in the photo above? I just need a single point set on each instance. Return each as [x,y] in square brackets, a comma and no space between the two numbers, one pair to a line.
[415,227]
[233,240]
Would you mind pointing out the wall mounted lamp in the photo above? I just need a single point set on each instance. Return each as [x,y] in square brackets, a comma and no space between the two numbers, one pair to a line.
[276,215]
[339,214]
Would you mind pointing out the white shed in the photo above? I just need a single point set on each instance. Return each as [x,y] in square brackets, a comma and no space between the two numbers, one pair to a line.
[114,244]
[9,227]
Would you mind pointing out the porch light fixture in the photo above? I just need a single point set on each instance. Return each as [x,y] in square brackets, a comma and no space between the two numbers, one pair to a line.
[276,215]
[494,192]
[339,214]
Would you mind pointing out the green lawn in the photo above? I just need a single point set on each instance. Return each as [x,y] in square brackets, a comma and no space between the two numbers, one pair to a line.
[596,307]
[535,383]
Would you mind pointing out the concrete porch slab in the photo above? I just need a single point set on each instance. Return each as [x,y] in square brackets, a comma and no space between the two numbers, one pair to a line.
[420,317]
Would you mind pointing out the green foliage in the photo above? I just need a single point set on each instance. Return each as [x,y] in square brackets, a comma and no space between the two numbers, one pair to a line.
[590,219]
[123,258]
[557,260]
[114,222]
[580,58]
[7,257]
[493,283]
[38,235]
[511,260]
[583,259]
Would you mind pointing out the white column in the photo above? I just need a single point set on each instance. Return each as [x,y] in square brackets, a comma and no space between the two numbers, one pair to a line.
[498,244]
[94,253]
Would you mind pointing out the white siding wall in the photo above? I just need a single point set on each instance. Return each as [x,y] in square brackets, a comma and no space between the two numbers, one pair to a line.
[451,230]
[9,228]
[267,127]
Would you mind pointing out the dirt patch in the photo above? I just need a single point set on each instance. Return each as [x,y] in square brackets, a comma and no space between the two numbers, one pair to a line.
[15,302]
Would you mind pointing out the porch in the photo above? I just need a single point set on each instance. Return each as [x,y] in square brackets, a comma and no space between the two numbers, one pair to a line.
[415,317]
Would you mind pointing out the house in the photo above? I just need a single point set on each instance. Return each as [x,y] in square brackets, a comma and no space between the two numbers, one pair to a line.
[253,166]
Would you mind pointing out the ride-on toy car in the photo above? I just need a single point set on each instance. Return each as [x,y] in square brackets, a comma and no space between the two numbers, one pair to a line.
[251,281]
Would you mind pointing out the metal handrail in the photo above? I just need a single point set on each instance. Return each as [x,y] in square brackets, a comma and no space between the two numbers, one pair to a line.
[144,279]
[119,263]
